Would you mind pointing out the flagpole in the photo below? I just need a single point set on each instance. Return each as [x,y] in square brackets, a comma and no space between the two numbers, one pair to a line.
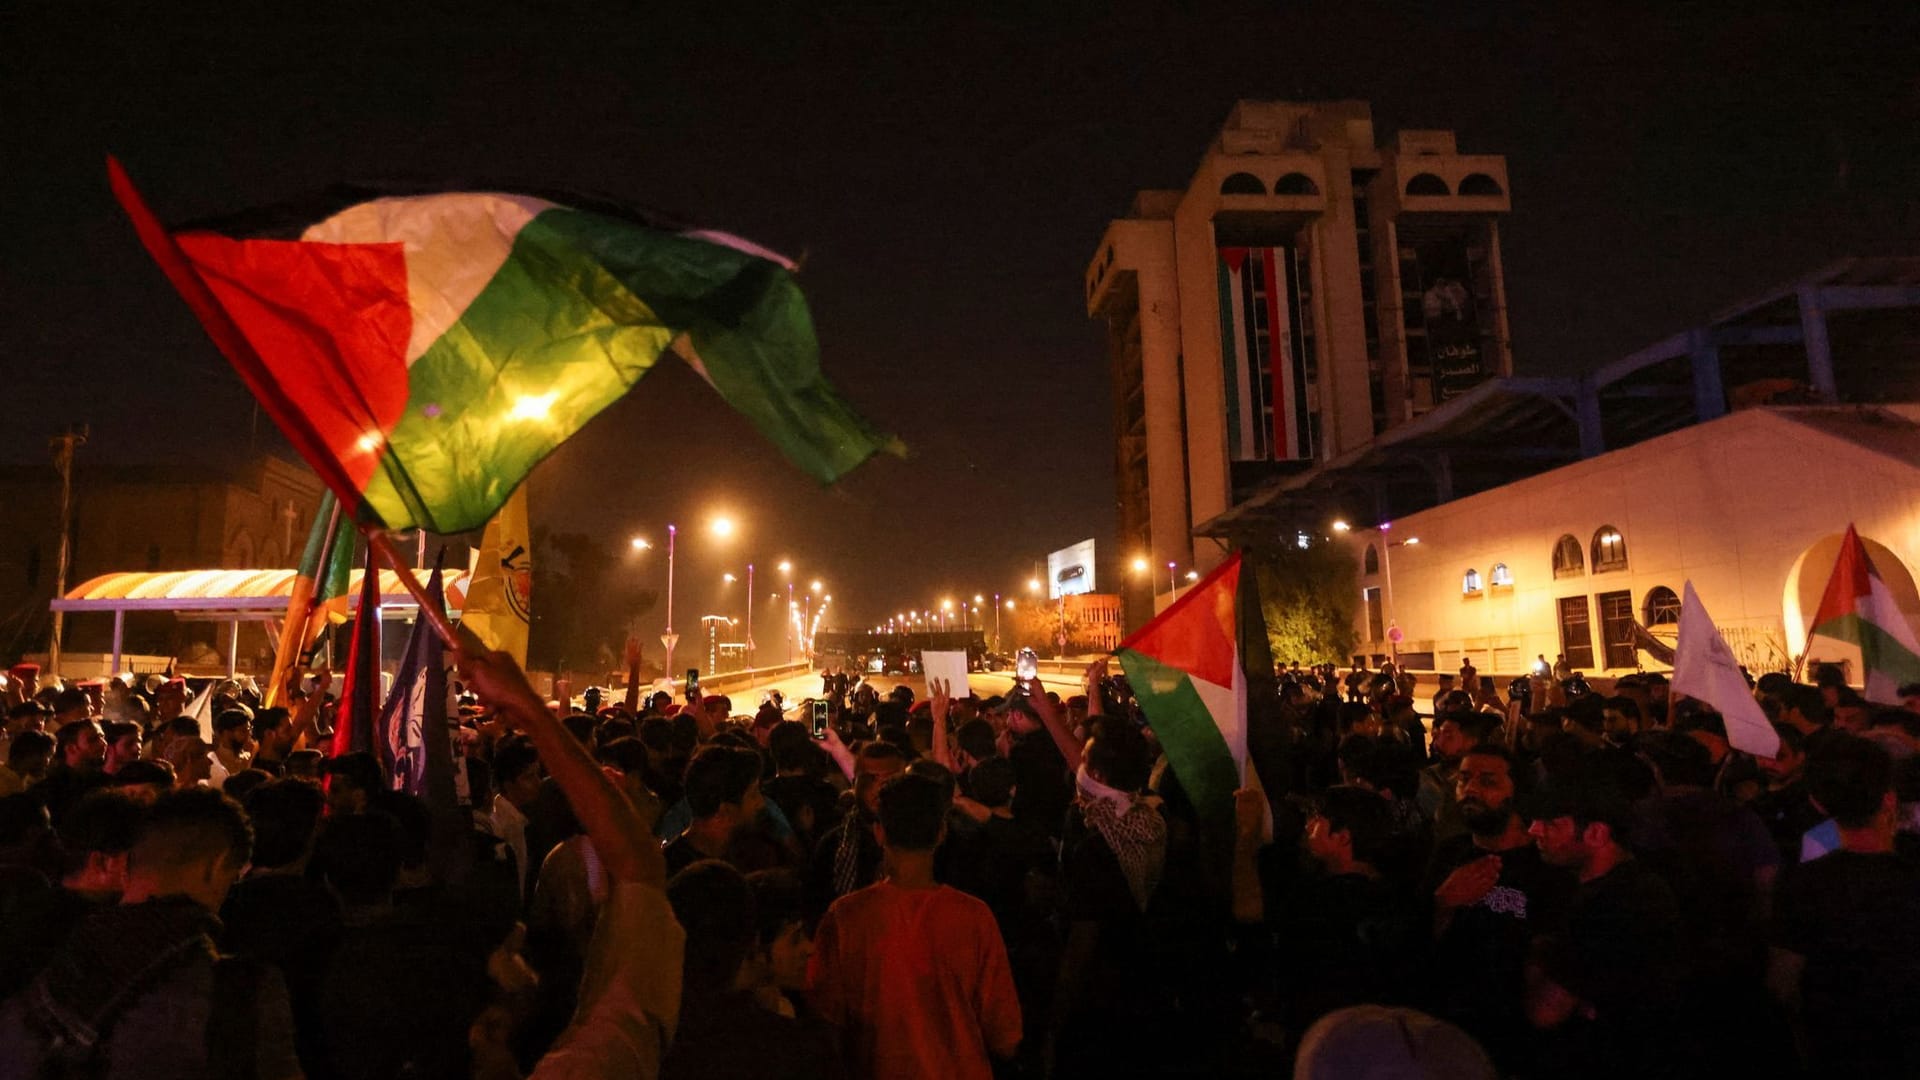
[435,615]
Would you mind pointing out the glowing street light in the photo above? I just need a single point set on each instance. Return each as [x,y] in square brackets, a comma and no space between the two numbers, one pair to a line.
[728,579]
[1139,564]
[640,544]
[723,526]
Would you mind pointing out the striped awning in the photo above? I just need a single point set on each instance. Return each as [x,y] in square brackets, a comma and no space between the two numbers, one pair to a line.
[231,594]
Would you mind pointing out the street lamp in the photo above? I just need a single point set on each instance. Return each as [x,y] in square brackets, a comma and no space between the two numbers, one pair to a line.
[786,570]
[1173,584]
[1386,569]
[996,620]
[723,526]
[669,638]
[640,544]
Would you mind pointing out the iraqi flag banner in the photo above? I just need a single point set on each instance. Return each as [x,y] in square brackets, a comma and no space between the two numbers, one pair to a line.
[424,350]
[1187,668]
[1859,613]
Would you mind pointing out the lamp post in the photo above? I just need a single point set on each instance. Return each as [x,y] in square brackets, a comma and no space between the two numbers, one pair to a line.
[1173,583]
[669,638]
[996,622]
[786,570]
[750,659]
[1386,569]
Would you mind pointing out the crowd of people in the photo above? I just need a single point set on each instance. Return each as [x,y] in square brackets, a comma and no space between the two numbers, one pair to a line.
[1533,880]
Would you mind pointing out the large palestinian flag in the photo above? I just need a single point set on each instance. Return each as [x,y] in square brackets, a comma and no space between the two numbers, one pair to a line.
[424,351]
[1859,611]
[1186,671]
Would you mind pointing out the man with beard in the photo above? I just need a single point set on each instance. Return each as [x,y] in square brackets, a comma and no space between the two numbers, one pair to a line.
[1491,894]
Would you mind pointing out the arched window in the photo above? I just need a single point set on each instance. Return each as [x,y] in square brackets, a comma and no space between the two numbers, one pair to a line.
[1295,184]
[1661,609]
[1427,184]
[1470,582]
[1479,184]
[1568,561]
[1500,575]
[1609,550]
[1242,184]
[1370,562]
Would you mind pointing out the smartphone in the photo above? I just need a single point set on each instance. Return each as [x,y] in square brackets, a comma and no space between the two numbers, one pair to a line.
[819,719]
[1026,664]
[693,683]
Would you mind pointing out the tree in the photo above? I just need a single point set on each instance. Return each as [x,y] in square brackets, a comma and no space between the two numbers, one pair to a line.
[1310,597]
[1036,626]
[585,600]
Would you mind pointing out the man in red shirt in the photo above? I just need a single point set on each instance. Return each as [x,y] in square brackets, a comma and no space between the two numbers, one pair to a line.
[912,972]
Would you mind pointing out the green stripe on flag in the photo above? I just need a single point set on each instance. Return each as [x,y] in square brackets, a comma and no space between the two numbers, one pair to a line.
[1880,651]
[1186,730]
[581,309]
[550,341]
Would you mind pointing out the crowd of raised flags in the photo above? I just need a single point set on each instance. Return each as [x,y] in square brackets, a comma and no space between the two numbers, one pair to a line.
[1211,864]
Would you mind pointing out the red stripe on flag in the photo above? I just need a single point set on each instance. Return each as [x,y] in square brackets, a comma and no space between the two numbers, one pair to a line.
[1199,633]
[1850,581]
[261,378]
[330,322]
[1277,367]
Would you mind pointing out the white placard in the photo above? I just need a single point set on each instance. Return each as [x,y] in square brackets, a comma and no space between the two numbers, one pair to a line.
[949,667]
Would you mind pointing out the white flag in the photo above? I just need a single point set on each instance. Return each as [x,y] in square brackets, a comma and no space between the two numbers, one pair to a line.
[1704,668]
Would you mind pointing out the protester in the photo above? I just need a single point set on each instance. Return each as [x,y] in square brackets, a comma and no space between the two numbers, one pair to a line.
[913,973]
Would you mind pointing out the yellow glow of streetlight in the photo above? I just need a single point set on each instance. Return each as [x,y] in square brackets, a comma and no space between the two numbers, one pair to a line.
[827,599]
[815,586]
[1033,584]
[1411,540]
[786,567]
[1009,605]
[946,605]
[1139,564]
[978,599]
[640,544]
[1341,526]
[1193,575]
[728,578]
[723,526]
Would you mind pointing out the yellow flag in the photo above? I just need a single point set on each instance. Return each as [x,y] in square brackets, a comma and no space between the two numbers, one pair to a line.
[500,593]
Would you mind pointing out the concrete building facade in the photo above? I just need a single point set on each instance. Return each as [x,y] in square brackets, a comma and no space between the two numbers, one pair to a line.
[1749,507]
[254,515]
[1312,288]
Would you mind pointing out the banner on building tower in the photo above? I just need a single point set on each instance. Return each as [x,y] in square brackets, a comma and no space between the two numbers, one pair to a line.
[1263,365]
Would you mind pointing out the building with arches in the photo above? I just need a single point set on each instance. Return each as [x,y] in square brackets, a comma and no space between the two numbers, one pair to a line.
[1312,288]
[1733,455]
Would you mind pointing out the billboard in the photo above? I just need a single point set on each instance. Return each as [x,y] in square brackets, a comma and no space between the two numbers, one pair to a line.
[1070,570]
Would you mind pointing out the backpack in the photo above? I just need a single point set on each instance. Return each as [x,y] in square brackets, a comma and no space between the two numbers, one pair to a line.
[74,1045]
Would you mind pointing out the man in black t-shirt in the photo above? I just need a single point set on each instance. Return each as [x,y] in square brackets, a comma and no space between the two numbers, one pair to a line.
[1847,925]
[1042,789]
[1603,985]
[1491,893]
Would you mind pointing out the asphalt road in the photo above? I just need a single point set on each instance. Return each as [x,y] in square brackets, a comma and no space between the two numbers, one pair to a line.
[985,684]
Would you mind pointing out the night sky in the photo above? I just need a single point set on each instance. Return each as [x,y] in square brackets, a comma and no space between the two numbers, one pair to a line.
[946,178]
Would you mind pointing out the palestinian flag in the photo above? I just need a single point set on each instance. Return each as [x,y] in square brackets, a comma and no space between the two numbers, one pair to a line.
[360,698]
[1859,612]
[424,351]
[319,592]
[1187,672]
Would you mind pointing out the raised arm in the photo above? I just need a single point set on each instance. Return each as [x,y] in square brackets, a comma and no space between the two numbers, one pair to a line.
[620,835]
[939,702]
[1055,724]
[633,676]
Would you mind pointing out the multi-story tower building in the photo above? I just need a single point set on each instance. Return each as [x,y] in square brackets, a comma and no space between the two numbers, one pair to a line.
[1309,290]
